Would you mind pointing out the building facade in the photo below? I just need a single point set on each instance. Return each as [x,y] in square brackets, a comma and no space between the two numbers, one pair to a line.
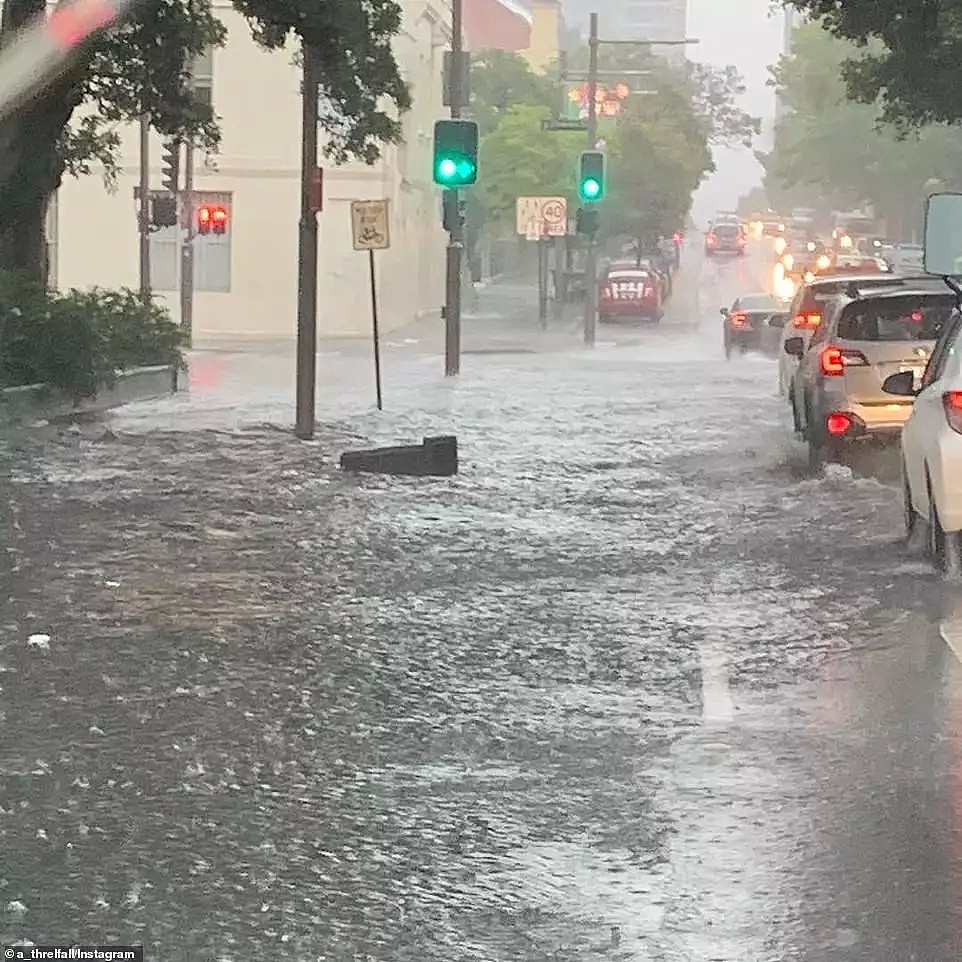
[246,280]
[547,24]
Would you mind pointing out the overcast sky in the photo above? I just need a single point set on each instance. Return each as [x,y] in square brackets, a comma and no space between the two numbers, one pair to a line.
[743,33]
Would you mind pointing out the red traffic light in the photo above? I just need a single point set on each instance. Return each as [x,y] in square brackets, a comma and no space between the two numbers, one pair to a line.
[212,218]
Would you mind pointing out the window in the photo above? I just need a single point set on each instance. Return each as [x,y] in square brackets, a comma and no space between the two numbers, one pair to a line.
[896,319]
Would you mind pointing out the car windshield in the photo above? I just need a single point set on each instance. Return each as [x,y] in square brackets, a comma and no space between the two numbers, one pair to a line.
[727,230]
[910,318]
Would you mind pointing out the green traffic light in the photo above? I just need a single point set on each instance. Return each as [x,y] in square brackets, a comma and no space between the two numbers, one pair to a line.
[447,169]
[590,188]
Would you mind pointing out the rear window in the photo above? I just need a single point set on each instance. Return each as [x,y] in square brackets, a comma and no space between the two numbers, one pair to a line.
[895,319]
[757,303]
[727,230]
[816,297]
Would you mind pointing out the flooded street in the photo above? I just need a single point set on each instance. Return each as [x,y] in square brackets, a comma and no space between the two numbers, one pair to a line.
[633,685]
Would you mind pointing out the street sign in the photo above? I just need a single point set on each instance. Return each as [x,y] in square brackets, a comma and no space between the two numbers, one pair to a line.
[369,223]
[542,217]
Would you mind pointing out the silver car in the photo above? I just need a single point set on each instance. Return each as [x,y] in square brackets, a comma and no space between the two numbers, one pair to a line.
[836,392]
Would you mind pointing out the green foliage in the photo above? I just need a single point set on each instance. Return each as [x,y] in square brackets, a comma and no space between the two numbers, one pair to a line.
[78,341]
[905,55]
[502,79]
[520,159]
[841,146]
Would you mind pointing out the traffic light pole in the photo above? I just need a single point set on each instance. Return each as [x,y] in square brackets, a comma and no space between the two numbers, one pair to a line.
[307,257]
[187,248]
[143,209]
[591,266]
[455,249]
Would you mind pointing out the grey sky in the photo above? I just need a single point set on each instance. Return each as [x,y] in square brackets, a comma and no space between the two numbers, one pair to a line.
[743,33]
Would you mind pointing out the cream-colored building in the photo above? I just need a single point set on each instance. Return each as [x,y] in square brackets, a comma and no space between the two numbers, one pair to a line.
[546,25]
[247,280]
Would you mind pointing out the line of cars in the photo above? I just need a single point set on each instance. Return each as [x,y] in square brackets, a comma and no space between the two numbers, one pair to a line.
[637,286]
[877,356]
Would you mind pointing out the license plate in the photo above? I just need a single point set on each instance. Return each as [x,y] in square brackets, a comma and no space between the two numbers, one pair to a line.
[916,374]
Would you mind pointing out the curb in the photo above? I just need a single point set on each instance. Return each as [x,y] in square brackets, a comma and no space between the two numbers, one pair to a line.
[40,402]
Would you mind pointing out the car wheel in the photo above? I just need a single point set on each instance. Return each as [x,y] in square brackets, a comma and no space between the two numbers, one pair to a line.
[943,546]
[909,514]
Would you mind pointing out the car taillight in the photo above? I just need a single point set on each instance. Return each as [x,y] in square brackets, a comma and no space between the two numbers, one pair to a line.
[834,361]
[952,402]
[807,320]
[838,424]
[607,294]
[739,319]
[649,292]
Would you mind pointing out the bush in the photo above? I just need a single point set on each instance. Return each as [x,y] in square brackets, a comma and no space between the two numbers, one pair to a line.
[78,341]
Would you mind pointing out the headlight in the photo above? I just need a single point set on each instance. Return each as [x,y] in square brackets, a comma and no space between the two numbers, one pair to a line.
[809,277]
[788,261]
[811,248]
[824,262]
[780,246]
[846,241]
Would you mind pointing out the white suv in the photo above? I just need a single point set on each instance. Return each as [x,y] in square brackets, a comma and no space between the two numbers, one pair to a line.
[932,449]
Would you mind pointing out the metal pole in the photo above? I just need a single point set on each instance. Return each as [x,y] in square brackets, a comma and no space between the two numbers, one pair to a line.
[591,267]
[187,248]
[307,257]
[143,210]
[543,282]
[377,336]
[455,249]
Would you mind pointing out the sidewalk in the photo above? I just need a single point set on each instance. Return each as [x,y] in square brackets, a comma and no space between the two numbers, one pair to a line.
[501,317]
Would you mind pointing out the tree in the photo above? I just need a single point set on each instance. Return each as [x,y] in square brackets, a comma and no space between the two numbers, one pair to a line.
[659,155]
[906,55]
[502,79]
[143,67]
[844,147]
[520,159]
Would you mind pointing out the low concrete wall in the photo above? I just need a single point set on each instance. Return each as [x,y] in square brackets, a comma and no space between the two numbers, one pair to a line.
[39,402]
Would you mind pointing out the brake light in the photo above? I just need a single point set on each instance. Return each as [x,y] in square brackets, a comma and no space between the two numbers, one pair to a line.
[838,424]
[952,403]
[918,317]
[834,361]
[607,294]
[739,319]
[807,320]
[649,292]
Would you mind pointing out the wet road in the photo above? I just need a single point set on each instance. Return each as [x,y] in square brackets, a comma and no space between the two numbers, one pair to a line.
[632,686]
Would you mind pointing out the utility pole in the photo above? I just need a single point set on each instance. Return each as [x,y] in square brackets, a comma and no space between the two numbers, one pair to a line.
[307,255]
[591,265]
[143,209]
[187,247]
[455,249]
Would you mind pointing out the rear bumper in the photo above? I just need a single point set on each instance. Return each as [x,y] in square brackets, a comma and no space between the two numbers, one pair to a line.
[643,310]
[868,421]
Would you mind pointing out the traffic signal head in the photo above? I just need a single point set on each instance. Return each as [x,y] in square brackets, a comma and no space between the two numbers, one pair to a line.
[591,176]
[212,219]
[164,211]
[455,153]
[171,166]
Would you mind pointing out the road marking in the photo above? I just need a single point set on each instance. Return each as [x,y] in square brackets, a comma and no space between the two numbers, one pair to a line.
[717,707]
[951,631]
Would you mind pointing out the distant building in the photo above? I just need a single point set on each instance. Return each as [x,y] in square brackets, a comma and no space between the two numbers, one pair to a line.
[547,28]
[635,20]
[497,25]
[246,280]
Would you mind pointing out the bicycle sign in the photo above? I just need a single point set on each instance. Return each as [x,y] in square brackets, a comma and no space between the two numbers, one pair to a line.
[369,223]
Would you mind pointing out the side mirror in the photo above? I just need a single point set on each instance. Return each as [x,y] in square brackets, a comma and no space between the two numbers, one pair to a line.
[795,347]
[778,320]
[901,384]
[724,312]
[943,235]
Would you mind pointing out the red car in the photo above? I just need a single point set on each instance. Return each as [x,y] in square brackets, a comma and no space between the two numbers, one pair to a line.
[627,292]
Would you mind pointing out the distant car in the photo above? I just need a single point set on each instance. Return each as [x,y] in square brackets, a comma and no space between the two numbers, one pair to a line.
[726,239]
[857,264]
[808,307]
[837,391]
[932,447]
[753,322]
[908,258]
[772,226]
[629,292]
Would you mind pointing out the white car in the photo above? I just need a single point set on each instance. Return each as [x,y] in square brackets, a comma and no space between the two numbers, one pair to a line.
[805,313]
[932,449]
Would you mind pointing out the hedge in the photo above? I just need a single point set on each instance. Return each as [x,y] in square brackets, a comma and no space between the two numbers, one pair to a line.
[78,341]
